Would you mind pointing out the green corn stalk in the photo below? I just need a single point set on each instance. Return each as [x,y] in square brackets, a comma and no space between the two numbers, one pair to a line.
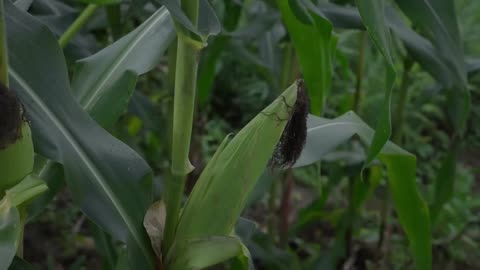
[186,66]
[220,194]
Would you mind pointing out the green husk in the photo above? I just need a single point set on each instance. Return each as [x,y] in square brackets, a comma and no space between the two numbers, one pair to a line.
[220,194]
[16,160]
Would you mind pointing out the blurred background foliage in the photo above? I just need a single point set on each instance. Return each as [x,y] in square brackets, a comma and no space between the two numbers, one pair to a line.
[297,223]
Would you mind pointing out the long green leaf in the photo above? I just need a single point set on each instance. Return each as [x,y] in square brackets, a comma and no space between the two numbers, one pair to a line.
[401,167]
[109,181]
[104,82]
[372,13]
[315,48]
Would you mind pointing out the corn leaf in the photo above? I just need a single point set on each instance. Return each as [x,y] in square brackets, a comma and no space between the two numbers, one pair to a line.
[372,13]
[401,167]
[110,182]
[104,82]
[315,48]
[439,19]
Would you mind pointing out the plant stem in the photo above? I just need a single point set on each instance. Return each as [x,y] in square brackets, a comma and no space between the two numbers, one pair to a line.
[77,25]
[3,47]
[359,72]
[183,110]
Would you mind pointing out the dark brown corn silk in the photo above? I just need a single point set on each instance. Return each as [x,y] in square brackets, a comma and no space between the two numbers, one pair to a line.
[294,135]
[10,117]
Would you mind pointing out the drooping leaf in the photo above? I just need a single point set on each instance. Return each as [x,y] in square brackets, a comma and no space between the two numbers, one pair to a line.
[372,13]
[315,47]
[109,181]
[401,167]
[104,82]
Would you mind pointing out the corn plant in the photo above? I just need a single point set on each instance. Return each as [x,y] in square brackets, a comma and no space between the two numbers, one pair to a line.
[58,115]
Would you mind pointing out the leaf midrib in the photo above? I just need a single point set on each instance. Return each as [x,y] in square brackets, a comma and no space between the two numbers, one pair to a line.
[334,124]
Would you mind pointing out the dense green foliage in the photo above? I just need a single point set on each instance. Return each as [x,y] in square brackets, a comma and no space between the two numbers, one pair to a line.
[153,122]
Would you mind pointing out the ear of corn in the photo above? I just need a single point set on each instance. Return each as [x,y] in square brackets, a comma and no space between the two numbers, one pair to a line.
[16,160]
[219,196]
